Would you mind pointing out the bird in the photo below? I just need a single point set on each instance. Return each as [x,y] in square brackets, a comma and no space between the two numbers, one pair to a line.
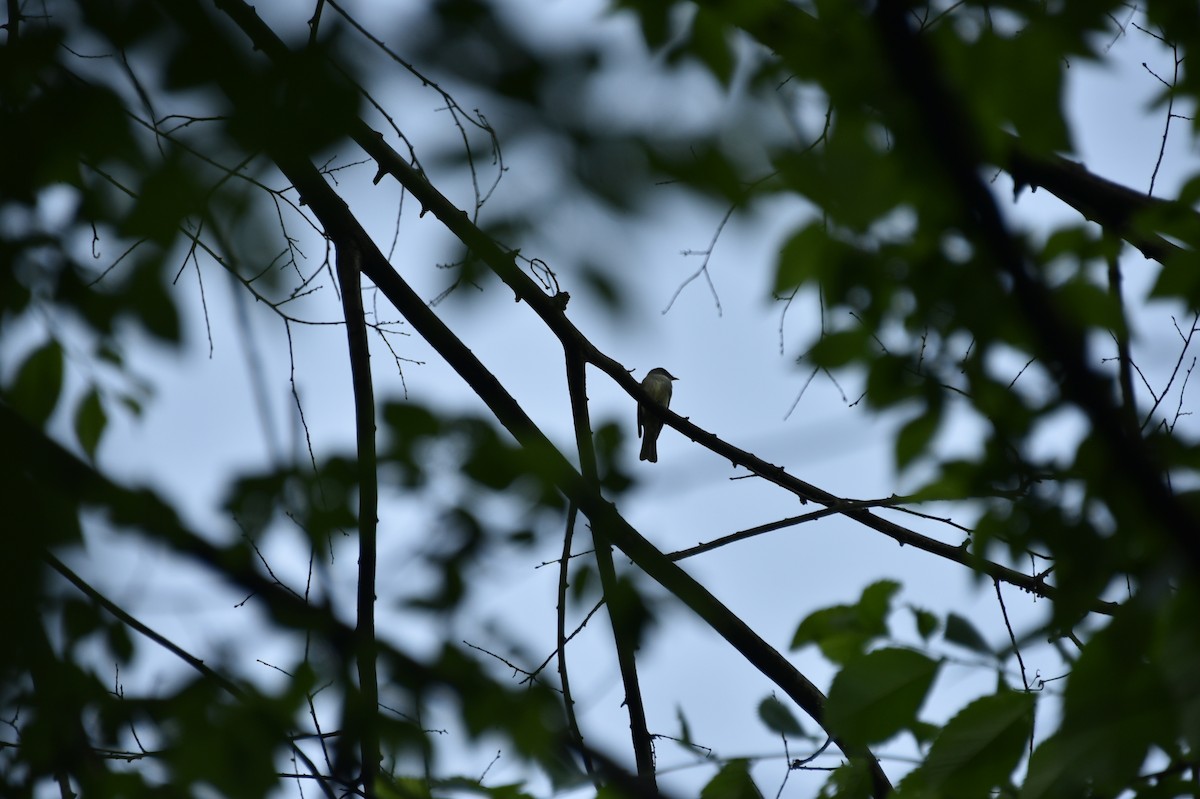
[657,383]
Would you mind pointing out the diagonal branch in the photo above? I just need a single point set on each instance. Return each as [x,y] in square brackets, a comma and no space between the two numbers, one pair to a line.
[550,310]
[337,218]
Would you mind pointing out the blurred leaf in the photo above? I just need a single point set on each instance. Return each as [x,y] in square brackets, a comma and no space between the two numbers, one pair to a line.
[460,540]
[229,744]
[844,631]
[90,420]
[402,787]
[778,717]
[629,610]
[849,781]
[923,732]
[878,694]
[584,583]
[654,19]
[927,622]
[168,195]
[1180,279]
[410,428]
[708,41]
[35,390]
[685,730]
[609,439]
[79,620]
[1089,305]
[531,716]
[915,436]
[960,631]
[119,641]
[977,751]
[1109,725]
[602,286]
[148,297]
[812,254]
[705,167]
[733,781]
[842,347]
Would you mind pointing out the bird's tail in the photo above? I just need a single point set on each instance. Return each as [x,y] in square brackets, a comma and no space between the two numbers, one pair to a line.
[649,448]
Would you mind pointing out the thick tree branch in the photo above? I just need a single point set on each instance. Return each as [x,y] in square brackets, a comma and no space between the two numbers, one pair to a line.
[1116,208]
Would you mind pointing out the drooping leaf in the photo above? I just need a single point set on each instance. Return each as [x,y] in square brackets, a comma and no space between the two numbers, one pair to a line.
[959,630]
[778,717]
[90,421]
[733,781]
[914,437]
[927,622]
[978,750]
[878,694]
[844,631]
[35,390]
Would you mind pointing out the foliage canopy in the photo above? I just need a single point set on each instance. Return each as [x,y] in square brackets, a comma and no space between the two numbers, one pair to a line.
[207,137]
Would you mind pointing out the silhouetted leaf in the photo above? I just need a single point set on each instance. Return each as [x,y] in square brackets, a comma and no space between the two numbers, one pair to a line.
[844,631]
[914,437]
[733,781]
[878,694]
[959,630]
[35,389]
[977,751]
[778,717]
[90,420]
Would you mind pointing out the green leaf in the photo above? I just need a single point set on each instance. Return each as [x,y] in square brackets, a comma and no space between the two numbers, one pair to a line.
[1118,705]
[927,622]
[800,258]
[405,787]
[731,782]
[119,641]
[842,347]
[844,631]
[35,391]
[778,717]
[849,781]
[685,730]
[977,750]
[153,303]
[913,439]
[710,44]
[878,695]
[814,255]
[960,631]
[1088,304]
[90,421]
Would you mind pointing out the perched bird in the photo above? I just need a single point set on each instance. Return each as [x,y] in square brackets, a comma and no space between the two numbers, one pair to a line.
[658,385]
